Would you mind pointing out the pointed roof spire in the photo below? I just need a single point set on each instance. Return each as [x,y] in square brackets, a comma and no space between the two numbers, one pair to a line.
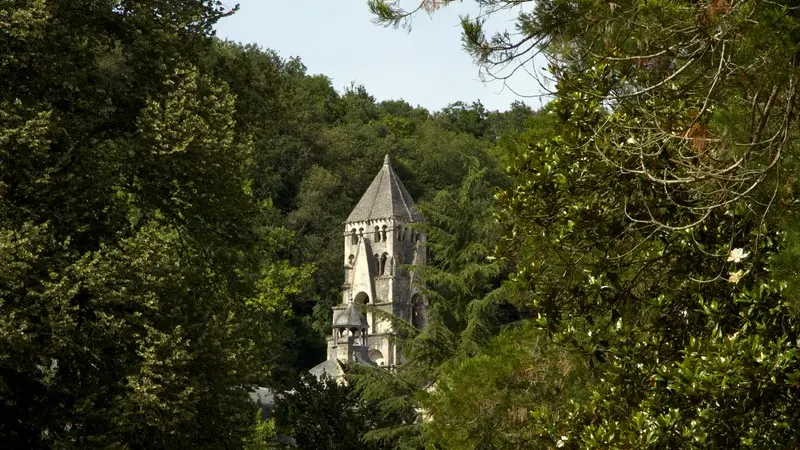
[386,197]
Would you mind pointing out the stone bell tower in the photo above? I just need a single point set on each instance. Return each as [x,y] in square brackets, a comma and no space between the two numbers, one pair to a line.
[377,244]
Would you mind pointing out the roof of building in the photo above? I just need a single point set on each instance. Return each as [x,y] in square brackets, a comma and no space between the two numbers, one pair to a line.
[386,197]
[265,399]
[350,318]
[329,367]
[361,356]
[333,368]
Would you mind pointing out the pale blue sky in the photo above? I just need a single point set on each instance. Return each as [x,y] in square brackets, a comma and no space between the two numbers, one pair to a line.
[426,67]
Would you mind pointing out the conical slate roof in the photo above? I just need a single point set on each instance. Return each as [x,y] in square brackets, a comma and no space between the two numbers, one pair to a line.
[350,318]
[386,197]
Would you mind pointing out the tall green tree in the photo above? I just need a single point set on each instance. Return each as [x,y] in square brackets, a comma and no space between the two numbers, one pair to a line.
[138,298]
[485,401]
[468,305]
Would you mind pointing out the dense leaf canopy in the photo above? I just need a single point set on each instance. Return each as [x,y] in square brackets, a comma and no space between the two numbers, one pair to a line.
[170,232]
[654,230]
[169,218]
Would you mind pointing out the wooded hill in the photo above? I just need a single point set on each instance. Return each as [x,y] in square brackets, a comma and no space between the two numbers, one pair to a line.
[170,210]
[618,270]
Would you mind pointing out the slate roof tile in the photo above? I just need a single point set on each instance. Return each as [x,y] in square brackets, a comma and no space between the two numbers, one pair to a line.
[386,197]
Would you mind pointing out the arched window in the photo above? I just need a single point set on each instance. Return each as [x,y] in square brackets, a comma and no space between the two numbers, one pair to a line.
[391,266]
[377,264]
[383,233]
[417,311]
[353,237]
[377,235]
[360,232]
[377,357]
[399,233]
[417,238]
[383,263]
[351,260]
[397,263]
[361,298]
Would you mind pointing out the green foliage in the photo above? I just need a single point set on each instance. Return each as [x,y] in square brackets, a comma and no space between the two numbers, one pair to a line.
[263,436]
[653,234]
[658,314]
[468,119]
[325,414]
[140,295]
[170,210]
[491,399]
[461,236]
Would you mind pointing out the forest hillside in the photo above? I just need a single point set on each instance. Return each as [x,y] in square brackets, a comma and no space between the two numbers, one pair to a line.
[616,270]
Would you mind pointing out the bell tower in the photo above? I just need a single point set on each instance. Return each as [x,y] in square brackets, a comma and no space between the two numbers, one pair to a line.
[377,244]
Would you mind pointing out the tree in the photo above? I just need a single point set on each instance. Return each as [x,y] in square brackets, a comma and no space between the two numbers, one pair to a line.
[468,306]
[485,402]
[324,414]
[263,436]
[136,298]
[694,104]
[636,304]
[465,118]
[652,231]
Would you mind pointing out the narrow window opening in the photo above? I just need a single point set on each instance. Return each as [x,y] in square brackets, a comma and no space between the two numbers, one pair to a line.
[417,311]
[383,263]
